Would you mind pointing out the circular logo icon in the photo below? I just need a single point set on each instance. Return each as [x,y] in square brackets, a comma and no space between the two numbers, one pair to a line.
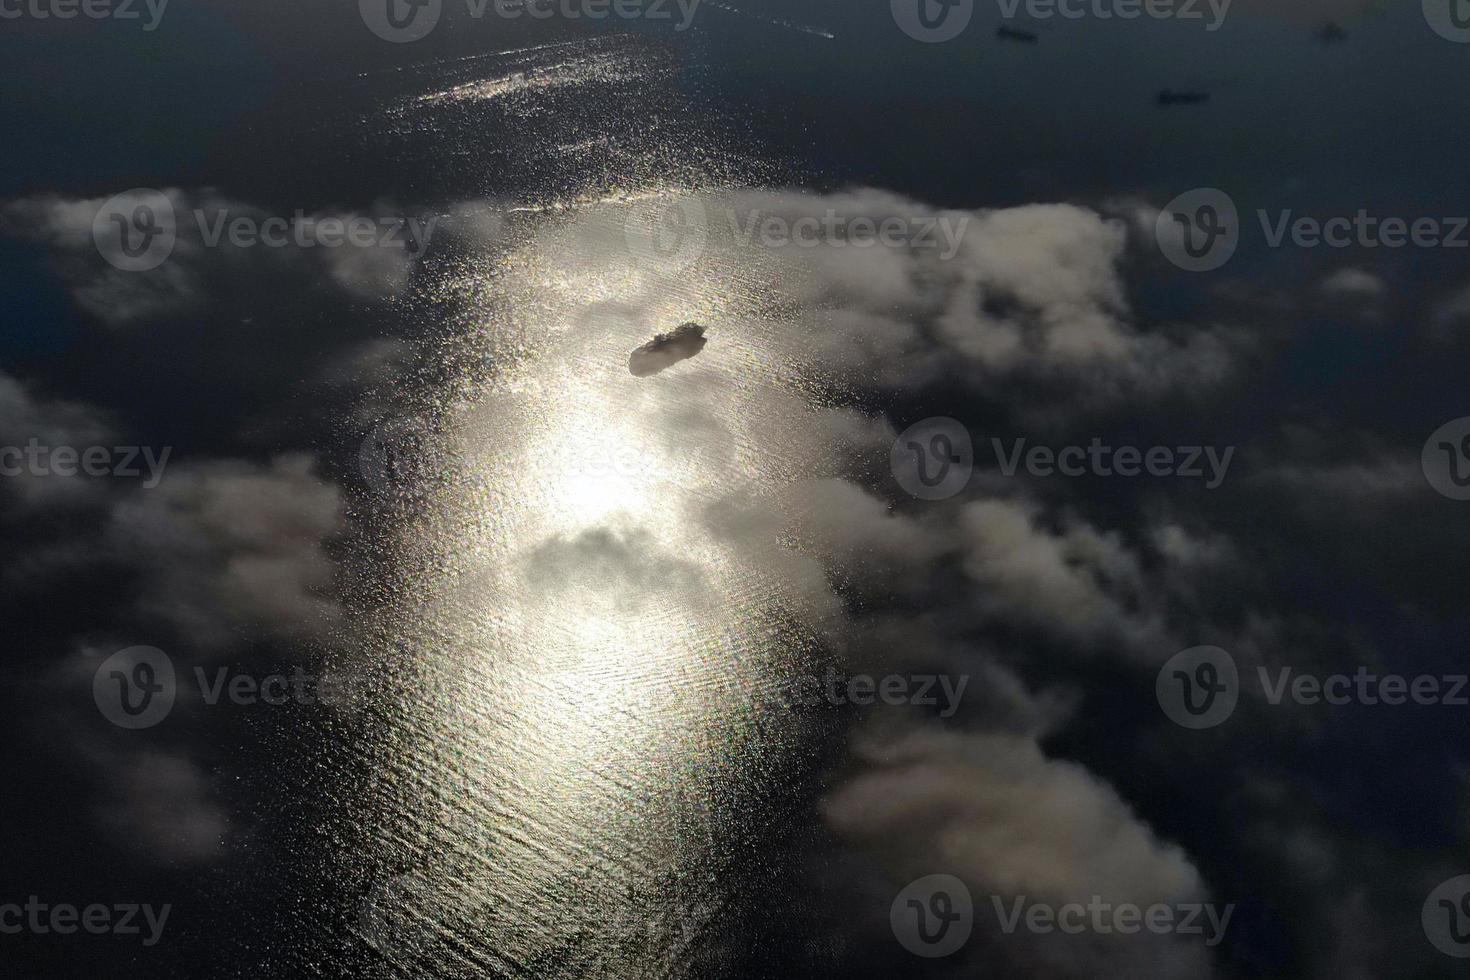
[932,21]
[933,459]
[135,230]
[400,21]
[933,916]
[396,454]
[135,688]
[398,913]
[670,234]
[1445,459]
[1199,230]
[1450,19]
[1198,687]
[1446,917]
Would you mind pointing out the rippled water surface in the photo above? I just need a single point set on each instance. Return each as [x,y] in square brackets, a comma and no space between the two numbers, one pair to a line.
[589,601]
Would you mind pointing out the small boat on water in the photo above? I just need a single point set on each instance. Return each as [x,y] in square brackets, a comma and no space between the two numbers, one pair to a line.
[1169,97]
[667,349]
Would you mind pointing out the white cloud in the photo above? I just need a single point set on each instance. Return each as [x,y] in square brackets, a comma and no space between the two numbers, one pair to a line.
[229,546]
[159,803]
[1453,308]
[205,251]
[1353,282]
[995,807]
[1075,582]
[1030,291]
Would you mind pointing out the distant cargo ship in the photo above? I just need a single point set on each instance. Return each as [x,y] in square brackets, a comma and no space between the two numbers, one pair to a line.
[1016,34]
[667,349]
[1168,97]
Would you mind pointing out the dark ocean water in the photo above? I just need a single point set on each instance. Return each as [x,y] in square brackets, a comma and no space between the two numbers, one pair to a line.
[574,766]
[558,775]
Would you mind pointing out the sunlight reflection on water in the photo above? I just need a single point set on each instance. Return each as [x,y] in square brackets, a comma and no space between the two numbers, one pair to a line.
[602,604]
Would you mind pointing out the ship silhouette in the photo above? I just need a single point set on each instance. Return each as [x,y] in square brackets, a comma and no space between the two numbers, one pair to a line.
[1171,97]
[1016,34]
[667,349]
